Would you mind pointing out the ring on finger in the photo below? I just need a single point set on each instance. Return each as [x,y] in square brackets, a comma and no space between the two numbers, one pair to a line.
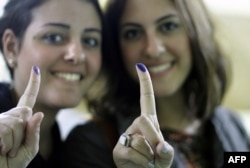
[125,139]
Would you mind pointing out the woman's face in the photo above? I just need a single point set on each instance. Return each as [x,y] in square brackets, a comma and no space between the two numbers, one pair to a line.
[64,40]
[151,32]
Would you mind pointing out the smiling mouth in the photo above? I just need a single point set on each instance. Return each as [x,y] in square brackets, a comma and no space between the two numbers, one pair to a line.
[71,77]
[160,68]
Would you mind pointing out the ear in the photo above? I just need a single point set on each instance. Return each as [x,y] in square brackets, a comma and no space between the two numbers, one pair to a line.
[10,47]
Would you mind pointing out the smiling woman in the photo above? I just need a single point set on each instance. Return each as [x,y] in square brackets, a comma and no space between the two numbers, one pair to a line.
[189,76]
[59,43]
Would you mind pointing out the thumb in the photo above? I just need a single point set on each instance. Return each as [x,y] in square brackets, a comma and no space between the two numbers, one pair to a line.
[165,154]
[31,142]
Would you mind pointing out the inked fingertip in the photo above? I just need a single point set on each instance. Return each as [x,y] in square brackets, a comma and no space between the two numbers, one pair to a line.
[36,70]
[142,67]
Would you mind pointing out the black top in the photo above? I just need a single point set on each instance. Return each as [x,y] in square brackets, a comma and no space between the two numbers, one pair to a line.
[88,145]
[6,103]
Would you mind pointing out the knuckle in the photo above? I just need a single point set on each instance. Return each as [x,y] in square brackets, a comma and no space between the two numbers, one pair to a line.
[138,141]
[11,125]
[25,109]
[30,95]
[18,123]
[141,119]
[5,131]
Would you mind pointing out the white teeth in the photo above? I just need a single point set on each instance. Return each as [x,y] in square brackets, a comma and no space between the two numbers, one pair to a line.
[160,68]
[69,76]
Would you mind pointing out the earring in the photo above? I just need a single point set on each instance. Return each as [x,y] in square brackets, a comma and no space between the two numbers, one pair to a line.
[11,63]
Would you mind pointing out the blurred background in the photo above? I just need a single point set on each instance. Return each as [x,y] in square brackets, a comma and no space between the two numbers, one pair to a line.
[232,22]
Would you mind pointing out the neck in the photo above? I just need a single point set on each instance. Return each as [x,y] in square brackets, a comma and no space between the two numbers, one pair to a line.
[172,113]
[45,144]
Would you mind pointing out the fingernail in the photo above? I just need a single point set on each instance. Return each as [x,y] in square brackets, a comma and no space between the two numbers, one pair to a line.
[165,148]
[36,70]
[151,164]
[141,67]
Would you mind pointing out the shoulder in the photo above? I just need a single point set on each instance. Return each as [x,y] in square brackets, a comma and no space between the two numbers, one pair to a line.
[88,129]
[91,133]
[86,146]
[225,117]
[221,112]
[230,130]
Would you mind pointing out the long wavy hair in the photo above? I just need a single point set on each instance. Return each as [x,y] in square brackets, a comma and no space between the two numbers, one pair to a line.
[207,82]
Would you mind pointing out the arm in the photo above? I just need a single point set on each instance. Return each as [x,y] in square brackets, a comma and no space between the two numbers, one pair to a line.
[19,133]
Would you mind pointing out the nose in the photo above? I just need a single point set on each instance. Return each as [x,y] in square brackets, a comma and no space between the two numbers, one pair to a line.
[75,53]
[154,46]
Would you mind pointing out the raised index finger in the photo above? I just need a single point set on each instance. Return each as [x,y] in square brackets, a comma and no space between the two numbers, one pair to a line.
[30,94]
[147,98]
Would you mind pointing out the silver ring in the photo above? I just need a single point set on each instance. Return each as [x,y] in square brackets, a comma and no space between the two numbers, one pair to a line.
[125,139]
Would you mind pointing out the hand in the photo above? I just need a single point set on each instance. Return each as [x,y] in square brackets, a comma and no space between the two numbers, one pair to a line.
[147,147]
[20,129]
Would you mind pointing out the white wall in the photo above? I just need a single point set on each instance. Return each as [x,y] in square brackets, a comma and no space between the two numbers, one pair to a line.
[2,3]
[230,7]
[4,74]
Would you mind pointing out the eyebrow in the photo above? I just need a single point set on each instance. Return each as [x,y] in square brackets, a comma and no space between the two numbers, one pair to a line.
[165,18]
[92,30]
[129,24]
[65,26]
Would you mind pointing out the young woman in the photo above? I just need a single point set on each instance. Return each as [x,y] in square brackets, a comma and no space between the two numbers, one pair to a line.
[174,39]
[60,42]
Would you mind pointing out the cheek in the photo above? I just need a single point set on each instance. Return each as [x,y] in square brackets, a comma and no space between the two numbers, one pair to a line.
[185,53]
[178,45]
[39,56]
[129,63]
[130,56]
[94,63]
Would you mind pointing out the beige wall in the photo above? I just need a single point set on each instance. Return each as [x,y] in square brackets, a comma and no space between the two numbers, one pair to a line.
[234,34]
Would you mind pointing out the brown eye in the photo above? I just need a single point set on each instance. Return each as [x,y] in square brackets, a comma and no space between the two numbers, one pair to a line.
[91,42]
[53,38]
[131,34]
[169,26]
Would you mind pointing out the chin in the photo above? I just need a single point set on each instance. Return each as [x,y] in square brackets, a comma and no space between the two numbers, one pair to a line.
[64,103]
[70,104]
[164,93]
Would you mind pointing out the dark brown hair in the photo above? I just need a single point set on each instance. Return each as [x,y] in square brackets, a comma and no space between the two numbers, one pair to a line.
[205,85]
[17,16]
